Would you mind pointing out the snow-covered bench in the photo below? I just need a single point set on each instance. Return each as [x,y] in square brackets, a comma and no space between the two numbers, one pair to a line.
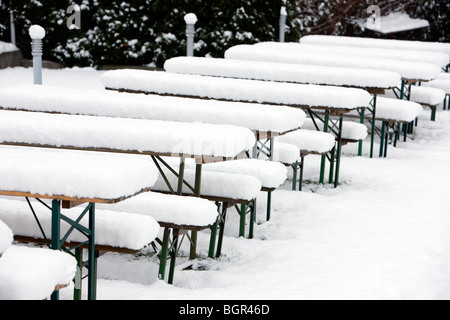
[442,83]
[115,232]
[235,183]
[261,119]
[427,96]
[409,70]
[433,57]
[6,237]
[34,273]
[70,178]
[264,120]
[202,142]
[373,81]
[331,99]
[392,113]
[177,215]
[308,142]
[124,227]
[378,43]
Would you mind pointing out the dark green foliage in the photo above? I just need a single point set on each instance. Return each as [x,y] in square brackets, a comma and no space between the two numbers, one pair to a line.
[138,32]
[147,32]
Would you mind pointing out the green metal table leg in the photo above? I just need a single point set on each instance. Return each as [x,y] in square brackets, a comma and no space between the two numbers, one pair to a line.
[324,157]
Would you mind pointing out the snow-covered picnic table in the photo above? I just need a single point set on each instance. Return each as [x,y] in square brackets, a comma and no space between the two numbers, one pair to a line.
[408,45]
[373,81]
[72,177]
[329,99]
[420,67]
[262,119]
[295,54]
[202,142]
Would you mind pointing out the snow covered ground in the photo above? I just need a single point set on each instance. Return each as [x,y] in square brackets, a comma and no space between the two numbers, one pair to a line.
[382,234]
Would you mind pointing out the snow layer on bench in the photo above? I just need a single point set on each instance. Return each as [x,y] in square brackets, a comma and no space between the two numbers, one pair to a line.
[285,153]
[423,95]
[236,89]
[180,210]
[6,237]
[109,103]
[377,43]
[33,273]
[114,229]
[439,58]
[283,72]
[271,174]
[398,110]
[216,184]
[427,95]
[310,140]
[407,70]
[443,84]
[191,139]
[74,174]
[350,130]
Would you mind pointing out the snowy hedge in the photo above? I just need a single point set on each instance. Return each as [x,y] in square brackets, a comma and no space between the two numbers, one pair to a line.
[146,31]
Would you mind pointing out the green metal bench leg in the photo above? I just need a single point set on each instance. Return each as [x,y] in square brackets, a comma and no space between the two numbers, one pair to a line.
[173,255]
[324,157]
[269,205]
[212,241]
[242,213]
[339,153]
[372,137]
[433,113]
[77,291]
[332,160]
[253,218]
[360,144]
[221,230]
[92,276]
[300,181]
[383,128]
[164,254]
[56,233]
[294,175]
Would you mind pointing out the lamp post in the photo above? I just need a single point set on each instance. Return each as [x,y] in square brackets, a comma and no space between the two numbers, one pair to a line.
[12,27]
[37,33]
[190,20]
[283,17]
